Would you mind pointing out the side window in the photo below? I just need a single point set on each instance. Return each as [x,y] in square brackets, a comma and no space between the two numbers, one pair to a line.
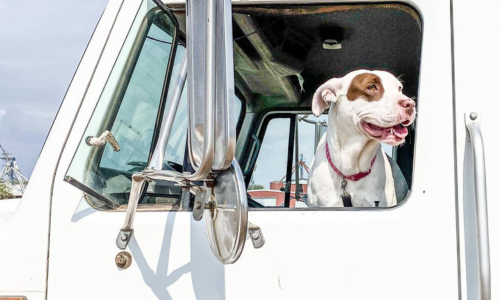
[320,59]
[280,175]
[129,108]
[135,120]
[268,183]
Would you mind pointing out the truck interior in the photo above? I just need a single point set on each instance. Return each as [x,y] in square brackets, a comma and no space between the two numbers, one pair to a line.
[282,53]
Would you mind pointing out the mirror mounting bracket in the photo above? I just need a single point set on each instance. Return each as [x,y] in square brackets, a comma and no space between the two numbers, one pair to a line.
[140,182]
[256,235]
[202,194]
[124,238]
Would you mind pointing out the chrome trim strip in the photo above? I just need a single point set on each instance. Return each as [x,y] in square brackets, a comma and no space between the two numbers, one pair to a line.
[89,192]
[455,154]
[473,124]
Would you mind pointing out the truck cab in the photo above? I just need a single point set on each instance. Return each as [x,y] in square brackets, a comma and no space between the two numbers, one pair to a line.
[176,167]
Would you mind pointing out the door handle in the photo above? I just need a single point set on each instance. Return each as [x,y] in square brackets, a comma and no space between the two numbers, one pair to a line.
[473,124]
[100,141]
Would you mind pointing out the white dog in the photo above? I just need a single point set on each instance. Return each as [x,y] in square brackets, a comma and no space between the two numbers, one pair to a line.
[350,168]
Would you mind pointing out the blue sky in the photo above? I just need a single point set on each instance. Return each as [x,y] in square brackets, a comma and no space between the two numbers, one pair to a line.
[40,47]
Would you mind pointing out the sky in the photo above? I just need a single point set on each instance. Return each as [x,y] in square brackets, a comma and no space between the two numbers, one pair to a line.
[40,47]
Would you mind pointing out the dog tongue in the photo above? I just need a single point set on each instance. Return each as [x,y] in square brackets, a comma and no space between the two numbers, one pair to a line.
[397,130]
[400,131]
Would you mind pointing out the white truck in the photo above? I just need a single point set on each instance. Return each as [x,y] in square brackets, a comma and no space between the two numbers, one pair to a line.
[177,109]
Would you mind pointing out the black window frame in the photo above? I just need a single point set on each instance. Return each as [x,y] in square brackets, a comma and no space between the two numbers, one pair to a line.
[259,129]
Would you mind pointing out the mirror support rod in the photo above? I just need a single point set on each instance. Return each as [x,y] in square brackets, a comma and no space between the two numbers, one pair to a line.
[473,124]
[168,75]
[139,185]
[157,159]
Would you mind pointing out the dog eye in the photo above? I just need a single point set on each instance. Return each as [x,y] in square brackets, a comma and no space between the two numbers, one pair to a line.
[372,87]
[400,88]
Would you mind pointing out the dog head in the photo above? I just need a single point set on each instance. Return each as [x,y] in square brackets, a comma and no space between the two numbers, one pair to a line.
[369,102]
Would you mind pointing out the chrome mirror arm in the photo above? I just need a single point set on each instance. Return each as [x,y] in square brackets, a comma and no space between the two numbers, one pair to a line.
[154,170]
[202,193]
[202,196]
[166,126]
[138,186]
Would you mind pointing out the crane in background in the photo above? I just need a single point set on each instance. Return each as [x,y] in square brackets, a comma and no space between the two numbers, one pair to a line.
[11,174]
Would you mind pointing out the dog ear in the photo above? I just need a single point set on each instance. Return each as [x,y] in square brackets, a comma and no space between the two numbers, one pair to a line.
[325,94]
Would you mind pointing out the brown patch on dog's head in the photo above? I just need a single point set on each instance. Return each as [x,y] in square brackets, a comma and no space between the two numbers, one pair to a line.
[367,86]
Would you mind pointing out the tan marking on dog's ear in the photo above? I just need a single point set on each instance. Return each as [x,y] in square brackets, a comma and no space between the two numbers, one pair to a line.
[366,86]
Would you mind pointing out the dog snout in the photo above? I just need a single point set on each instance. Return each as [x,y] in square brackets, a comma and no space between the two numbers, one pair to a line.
[406,103]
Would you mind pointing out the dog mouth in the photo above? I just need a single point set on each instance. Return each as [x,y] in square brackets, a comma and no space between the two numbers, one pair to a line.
[392,135]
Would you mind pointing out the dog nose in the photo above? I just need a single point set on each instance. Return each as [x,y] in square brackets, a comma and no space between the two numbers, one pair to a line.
[406,103]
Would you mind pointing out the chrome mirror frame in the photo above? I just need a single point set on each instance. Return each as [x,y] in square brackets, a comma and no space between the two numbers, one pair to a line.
[225,131]
[209,68]
[210,85]
[201,60]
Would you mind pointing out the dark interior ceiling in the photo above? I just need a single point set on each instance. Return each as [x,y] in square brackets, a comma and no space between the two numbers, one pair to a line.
[275,43]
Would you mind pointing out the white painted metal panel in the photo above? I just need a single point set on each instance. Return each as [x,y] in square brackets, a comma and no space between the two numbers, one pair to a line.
[409,252]
[476,70]
[24,235]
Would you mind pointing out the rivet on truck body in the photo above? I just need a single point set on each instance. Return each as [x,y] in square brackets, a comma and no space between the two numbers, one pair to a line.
[123,260]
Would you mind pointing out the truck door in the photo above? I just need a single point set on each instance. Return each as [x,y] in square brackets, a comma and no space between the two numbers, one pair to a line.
[404,252]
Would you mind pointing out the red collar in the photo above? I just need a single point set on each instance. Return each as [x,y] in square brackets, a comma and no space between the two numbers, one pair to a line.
[354,177]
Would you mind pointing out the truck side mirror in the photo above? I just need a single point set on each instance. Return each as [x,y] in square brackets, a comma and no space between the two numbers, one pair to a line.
[211,133]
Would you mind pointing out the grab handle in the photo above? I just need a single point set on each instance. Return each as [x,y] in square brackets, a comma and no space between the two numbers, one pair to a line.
[254,155]
[473,124]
